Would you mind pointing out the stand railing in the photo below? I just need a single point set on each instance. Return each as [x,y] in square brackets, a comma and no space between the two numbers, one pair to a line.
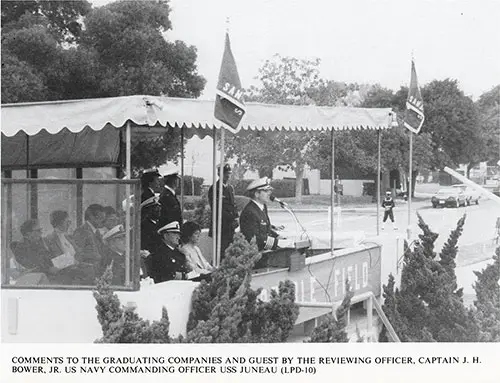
[371,302]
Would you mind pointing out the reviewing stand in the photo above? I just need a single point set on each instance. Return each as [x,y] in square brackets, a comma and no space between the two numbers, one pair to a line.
[293,258]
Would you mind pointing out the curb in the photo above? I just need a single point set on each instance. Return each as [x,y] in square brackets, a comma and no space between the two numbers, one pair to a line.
[347,210]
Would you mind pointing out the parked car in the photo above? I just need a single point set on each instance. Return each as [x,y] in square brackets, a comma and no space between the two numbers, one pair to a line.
[451,196]
[471,194]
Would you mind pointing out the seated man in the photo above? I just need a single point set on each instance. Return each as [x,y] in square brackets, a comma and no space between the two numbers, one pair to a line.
[167,262]
[88,238]
[254,220]
[31,253]
[114,253]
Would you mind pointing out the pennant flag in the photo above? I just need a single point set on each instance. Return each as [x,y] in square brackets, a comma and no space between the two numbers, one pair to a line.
[414,115]
[229,104]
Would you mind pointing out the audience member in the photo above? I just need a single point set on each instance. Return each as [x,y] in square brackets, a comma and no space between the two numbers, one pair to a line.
[150,239]
[114,253]
[150,183]
[200,267]
[170,205]
[63,249]
[167,261]
[111,219]
[88,238]
[32,253]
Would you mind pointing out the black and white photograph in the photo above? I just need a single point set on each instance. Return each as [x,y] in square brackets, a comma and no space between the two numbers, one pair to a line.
[278,175]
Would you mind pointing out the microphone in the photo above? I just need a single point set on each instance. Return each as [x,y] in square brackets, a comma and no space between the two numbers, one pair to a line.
[282,203]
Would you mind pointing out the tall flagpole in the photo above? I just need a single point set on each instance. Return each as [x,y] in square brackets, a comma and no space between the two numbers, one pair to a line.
[408,230]
[219,192]
[332,191]
[378,179]
[214,199]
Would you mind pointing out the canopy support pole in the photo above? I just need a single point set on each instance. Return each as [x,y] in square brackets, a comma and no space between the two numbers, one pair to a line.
[332,191]
[378,179]
[219,207]
[214,198]
[128,156]
[410,167]
[182,171]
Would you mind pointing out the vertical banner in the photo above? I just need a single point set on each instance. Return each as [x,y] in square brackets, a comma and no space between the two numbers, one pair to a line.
[229,104]
[414,114]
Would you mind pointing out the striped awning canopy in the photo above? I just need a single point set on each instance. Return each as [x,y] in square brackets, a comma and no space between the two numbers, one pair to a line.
[157,112]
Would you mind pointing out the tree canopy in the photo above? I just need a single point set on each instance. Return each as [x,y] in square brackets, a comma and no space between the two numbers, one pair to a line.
[54,50]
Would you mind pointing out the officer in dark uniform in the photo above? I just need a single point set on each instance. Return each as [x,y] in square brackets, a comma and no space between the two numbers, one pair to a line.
[229,210]
[170,205]
[254,220]
[150,239]
[388,205]
[150,183]
[168,262]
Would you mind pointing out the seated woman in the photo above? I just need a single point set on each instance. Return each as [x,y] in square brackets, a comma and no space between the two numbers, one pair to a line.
[200,268]
[31,253]
[62,251]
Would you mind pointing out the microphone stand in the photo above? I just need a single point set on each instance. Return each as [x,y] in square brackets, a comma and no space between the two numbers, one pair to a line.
[298,225]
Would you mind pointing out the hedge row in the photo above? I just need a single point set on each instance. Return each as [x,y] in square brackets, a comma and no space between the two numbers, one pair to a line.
[188,186]
[282,188]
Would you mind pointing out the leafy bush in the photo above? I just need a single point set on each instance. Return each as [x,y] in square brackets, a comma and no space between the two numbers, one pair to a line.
[188,185]
[240,186]
[227,310]
[122,324]
[428,307]
[333,329]
[487,303]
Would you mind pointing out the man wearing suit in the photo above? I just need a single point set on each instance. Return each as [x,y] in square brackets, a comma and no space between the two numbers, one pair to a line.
[167,261]
[229,210]
[170,205]
[150,183]
[150,239]
[254,220]
[88,238]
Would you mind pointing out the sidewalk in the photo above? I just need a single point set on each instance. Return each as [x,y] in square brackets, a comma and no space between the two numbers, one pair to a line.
[353,208]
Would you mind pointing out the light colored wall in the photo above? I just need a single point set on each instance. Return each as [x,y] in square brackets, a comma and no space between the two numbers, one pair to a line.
[351,187]
[48,316]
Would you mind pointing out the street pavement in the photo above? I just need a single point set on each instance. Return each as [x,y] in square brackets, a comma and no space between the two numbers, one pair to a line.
[476,245]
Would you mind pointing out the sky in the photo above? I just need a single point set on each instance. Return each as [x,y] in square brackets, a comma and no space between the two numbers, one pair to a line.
[363,41]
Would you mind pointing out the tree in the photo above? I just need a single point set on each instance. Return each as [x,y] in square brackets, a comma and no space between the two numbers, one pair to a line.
[122,324]
[487,303]
[48,55]
[63,18]
[428,306]
[333,328]
[228,310]
[452,121]
[488,107]
[286,81]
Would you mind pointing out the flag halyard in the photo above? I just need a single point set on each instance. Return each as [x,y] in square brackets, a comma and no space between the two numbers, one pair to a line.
[414,114]
[229,101]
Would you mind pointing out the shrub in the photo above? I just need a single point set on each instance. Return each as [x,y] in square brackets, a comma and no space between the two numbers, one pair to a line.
[240,186]
[188,185]
[428,307]
[487,303]
[333,329]
[227,309]
[122,324]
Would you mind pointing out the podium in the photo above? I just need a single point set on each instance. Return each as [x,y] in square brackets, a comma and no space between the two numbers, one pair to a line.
[293,258]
